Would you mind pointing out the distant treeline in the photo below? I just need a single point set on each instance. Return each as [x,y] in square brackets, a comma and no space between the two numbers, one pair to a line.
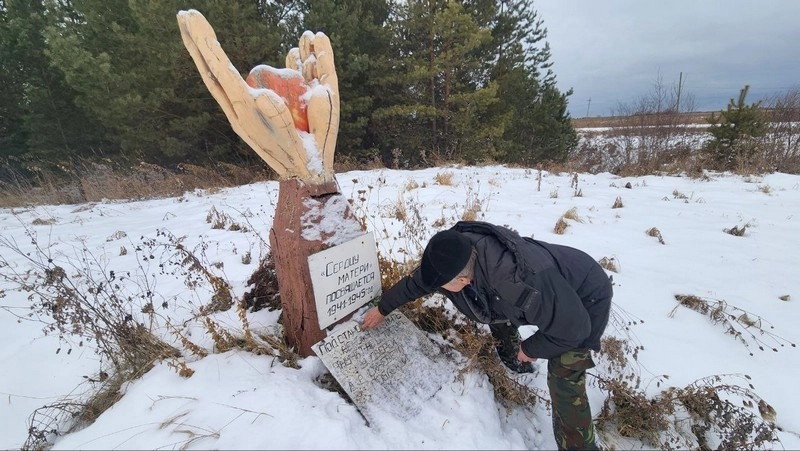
[421,81]
[671,118]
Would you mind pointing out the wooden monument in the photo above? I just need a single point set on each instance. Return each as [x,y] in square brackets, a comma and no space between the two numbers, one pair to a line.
[290,118]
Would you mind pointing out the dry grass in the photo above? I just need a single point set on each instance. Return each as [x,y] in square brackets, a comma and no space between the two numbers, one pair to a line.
[680,418]
[400,209]
[703,404]
[679,195]
[473,205]
[736,230]
[620,121]
[561,226]
[44,221]
[655,233]
[747,328]
[93,182]
[471,212]
[444,178]
[392,270]
[478,348]
[617,203]
[609,264]
[572,214]
[264,293]
[411,184]
[345,163]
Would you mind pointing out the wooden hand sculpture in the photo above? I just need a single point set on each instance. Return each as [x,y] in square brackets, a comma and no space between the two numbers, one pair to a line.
[290,117]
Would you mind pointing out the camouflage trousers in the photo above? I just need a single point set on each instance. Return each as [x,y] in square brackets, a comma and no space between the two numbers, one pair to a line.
[572,416]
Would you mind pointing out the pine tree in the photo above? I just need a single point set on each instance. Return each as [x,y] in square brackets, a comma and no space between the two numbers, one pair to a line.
[402,120]
[130,70]
[733,131]
[12,131]
[540,128]
[443,110]
[360,39]
[47,123]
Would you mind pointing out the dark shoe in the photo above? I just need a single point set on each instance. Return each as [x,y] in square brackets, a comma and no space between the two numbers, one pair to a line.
[516,365]
[507,339]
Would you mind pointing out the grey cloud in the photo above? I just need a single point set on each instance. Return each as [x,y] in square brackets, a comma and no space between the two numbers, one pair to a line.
[613,51]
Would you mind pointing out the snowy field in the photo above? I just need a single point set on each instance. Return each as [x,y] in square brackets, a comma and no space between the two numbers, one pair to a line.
[238,400]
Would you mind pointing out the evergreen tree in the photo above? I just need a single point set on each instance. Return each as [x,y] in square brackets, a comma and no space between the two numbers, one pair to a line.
[469,130]
[12,131]
[733,130]
[130,70]
[402,119]
[540,128]
[441,108]
[360,38]
[421,80]
[47,124]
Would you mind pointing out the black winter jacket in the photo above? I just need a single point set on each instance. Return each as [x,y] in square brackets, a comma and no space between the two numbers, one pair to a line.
[561,290]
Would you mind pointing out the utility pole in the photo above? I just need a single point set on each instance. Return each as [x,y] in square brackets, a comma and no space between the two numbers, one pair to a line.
[680,85]
[588,105]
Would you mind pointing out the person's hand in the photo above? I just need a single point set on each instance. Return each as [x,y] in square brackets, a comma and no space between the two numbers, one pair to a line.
[274,108]
[522,357]
[373,318]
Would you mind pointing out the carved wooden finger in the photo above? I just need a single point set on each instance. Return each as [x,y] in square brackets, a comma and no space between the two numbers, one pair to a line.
[293,60]
[203,46]
[325,70]
[325,73]
[308,68]
[190,41]
[323,123]
[306,45]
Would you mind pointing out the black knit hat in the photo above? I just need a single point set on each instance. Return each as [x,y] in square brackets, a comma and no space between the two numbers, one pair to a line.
[446,254]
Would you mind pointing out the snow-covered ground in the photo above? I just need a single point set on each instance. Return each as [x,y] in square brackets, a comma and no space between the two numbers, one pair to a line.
[238,400]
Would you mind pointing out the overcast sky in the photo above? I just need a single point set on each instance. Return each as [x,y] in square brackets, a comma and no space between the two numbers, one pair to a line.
[614,51]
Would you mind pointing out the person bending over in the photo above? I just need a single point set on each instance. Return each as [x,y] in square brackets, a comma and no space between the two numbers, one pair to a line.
[496,277]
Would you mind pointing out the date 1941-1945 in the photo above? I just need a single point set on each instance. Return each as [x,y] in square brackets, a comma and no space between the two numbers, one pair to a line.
[350,294]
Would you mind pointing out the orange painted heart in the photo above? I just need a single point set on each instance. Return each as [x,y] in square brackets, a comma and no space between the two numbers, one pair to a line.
[288,84]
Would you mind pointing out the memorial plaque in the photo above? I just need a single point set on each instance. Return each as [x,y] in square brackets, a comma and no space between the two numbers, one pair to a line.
[393,368]
[344,278]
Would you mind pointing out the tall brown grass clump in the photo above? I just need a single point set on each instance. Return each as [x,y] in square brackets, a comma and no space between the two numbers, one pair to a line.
[561,226]
[444,178]
[609,264]
[655,233]
[90,181]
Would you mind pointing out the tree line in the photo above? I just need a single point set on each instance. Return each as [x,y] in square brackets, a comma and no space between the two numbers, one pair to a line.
[421,82]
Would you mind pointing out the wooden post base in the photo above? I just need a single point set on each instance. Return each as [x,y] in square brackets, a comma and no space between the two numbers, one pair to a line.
[290,251]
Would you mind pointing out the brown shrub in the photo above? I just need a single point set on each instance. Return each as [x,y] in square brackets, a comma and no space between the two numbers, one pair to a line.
[444,178]
[561,226]
[736,230]
[609,264]
[655,233]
